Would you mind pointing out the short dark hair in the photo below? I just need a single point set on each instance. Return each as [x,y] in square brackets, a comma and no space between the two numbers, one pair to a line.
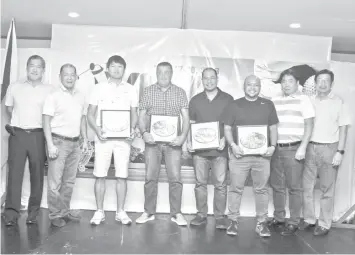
[116,59]
[289,72]
[325,71]
[67,65]
[209,69]
[165,64]
[33,57]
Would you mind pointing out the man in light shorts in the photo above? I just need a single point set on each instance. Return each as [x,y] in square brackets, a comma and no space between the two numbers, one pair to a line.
[112,95]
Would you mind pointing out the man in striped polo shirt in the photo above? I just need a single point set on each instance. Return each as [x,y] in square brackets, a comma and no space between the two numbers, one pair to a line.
[296,115]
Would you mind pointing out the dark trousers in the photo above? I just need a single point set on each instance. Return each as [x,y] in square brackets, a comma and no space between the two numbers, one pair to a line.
[22,145]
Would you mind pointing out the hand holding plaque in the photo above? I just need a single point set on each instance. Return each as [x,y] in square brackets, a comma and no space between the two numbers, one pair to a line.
[252,140]
[116,124]
[164,128]
[205,136]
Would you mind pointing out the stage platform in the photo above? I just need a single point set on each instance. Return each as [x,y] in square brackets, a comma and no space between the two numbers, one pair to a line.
[162,237]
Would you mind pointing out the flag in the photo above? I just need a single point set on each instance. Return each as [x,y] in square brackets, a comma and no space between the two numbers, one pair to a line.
[10,66]
[9,75]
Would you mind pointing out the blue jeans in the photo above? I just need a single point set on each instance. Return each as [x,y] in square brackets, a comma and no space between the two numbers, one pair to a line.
[286,172]
[239,171]
[153,157]
[218,167]
[61,177]
[319,161]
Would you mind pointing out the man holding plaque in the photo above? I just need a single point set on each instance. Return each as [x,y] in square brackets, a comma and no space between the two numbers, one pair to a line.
[296,114]
[115,105]
[64,121]
[251,132]
[161,106]
[206,108]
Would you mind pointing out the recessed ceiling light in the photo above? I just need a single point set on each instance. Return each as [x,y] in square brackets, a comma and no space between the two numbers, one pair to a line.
[73,14]
[295,25]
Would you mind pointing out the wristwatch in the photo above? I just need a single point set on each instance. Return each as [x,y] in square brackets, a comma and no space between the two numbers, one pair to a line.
[341,152]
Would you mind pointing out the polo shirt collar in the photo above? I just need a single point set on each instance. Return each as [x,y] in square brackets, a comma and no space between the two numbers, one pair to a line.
[66,90]
[294,95]
[30,83]
[114,83]
[330,95]
[218,94]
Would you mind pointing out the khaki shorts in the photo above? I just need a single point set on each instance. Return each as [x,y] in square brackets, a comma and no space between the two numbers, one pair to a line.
[103,152]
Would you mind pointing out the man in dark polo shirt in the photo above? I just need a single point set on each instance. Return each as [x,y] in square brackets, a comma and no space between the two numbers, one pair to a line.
[208,106]
[250,110]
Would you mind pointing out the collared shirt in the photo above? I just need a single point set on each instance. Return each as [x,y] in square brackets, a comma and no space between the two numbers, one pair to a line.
[66,109]
[202,109]
[27,102]
[292,111]
[110,96]
[168,103]
[331,114]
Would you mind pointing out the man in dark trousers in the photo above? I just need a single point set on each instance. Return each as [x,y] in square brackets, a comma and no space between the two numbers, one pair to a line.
[208,106]
[24,101]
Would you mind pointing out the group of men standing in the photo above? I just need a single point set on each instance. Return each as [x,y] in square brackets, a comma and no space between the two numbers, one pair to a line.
[306,139]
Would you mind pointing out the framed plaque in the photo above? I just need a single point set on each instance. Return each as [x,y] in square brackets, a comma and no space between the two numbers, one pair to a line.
[205,136]
[116,123]
[164,128]
[253,140]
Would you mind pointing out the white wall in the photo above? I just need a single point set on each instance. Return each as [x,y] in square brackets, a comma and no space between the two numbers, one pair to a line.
[342,57]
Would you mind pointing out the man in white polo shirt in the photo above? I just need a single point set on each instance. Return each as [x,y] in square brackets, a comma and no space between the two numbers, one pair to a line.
[24,102]
[64,122]
[296,113]
[113,95]
[324,153]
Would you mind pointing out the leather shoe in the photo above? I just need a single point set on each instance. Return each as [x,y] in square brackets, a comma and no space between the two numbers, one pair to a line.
[306,226]
[275,223]
[320,231]
[289,230]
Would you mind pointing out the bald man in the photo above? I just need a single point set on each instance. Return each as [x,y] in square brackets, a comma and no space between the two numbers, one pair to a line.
[250,110]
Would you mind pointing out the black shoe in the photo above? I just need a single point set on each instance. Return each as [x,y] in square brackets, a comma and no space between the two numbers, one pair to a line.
[233,228]
[198,220]
[275,223]
[320,231]
[289,230]
[221,223]
[305,226]
[58,222]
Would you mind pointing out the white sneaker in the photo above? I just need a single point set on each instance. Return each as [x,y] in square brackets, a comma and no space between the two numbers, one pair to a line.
[123,218]
[98,217]
[145,217]
[179,219]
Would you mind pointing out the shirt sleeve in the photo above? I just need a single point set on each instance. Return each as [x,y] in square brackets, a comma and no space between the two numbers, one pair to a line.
[344,116]
[192,110]
[184,103]
[273,119]
[134,97]
[49,105]
[144,101]
[228,116]
[307,108]
[9,98]
[94,96]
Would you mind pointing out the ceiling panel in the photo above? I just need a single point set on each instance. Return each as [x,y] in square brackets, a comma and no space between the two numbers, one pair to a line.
[318,17]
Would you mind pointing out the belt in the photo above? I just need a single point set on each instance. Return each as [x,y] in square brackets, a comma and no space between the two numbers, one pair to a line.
[28,130]
[288,144]
[72,139]
[315,143]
